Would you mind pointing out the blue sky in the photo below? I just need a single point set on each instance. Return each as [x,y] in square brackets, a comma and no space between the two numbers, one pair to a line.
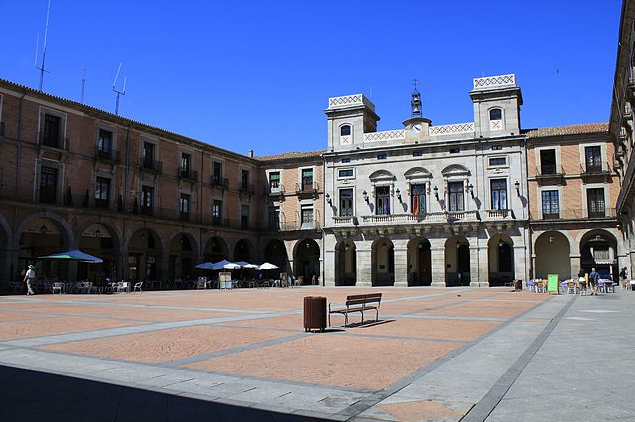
[257,74]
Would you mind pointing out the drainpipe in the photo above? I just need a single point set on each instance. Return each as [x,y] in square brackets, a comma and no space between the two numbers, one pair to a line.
[17,184]
[122,247]
[323,220]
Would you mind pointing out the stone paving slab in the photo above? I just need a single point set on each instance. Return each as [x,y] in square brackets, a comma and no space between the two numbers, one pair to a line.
[438,355]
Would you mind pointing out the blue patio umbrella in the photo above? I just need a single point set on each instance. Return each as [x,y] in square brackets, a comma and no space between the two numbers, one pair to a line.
[205,266]
[74,255]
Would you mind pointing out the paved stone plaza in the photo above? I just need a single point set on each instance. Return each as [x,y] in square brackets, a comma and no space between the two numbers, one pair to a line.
[437,354]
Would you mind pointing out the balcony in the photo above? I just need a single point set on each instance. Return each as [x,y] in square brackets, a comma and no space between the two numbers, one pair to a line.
[148,164]
[307,188]
[433,217]
[219,221]
[247,188]
[500,214]
[187,174]
[53,141]
[219,182]
[595,171]
[287,225]
[111,156]
[549,173]
[274,189]
[582,214]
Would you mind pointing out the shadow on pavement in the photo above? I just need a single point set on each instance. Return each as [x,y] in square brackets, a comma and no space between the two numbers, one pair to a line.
[38,396]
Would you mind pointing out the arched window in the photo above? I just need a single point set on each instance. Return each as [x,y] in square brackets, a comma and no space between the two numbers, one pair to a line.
[345,130]
[496,114]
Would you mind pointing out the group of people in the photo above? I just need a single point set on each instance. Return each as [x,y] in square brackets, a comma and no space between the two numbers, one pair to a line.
[594,278]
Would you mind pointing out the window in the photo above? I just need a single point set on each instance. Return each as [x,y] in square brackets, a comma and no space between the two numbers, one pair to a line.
[345,173]
[496,114]
[102,192]
[48,185]
[184,206]
[307,179]
[382,200]
[147,200]
[217,172]
[346,202]
[499,194]
[417,154]
[217,211]
[186,165]
[52,131]
[595,202]
[244,216]
[455,150]
[497,147]
[148,155]
[104,143]
[550,205]
[274,218]
[455,196]
[498,161]
[346,160]
[274,181]
[548,161]
[306,216]
[244,179]
[381,156]
[418,199]
[593,159]
[345,130]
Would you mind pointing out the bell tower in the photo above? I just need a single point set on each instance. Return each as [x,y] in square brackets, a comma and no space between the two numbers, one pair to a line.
[349,117]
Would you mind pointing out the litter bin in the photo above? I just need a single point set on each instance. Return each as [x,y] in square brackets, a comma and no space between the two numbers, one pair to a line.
[314,313]
[518,285]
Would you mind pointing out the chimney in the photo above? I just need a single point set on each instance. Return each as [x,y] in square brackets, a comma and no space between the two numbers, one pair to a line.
[251,153]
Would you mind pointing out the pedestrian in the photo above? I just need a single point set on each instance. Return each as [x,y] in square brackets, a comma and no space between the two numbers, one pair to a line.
[28,278]
[593,280]
[624,277]
[581,281]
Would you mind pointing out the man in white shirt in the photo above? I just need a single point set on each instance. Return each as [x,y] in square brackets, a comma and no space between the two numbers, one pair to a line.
[28,278]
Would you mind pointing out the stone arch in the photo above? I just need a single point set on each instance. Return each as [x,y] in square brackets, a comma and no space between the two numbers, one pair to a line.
[215,249]
[457,261]
[416,173]
[552,251]
[182,254]
[599,250]
[345,263]
[500,259]
[382,176]
[66,228]
[419,262]
[99,237]
[382,262]
[144,252]
[276,253]
[244,250]
[306,259]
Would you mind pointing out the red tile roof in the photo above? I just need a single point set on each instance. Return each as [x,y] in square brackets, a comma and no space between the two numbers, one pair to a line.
[542,132]
[295,155]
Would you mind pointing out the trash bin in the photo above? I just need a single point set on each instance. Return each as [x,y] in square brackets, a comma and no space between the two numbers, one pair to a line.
[518,285]
[314,313]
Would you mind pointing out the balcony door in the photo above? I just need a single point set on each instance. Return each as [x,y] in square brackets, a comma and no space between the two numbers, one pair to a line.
[595,202]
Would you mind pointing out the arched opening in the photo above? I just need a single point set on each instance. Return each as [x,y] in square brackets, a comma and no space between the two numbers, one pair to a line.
[43,236]
[345,130]
[457,261]
[419,262]
[276,253]
[215,250]
[500,249]
[598,249]
[552,255]
[307,260]
[99,240]
[383,262]
[345,263]
[242,251]
[144,253]
[182,257]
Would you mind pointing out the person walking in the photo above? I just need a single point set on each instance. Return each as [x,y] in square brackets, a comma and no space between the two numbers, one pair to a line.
[28,278]
[581,281]
[593,280]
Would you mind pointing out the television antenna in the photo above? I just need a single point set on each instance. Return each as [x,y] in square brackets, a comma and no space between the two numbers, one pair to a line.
[37,44]
[119,93]
[83,84]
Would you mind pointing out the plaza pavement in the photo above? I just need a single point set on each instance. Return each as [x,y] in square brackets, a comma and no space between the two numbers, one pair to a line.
[436,355]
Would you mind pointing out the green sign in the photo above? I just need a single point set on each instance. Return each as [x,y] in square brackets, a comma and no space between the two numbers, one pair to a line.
[552,283]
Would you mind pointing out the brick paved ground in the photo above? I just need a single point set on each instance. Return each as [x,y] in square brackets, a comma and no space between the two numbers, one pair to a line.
[248,347]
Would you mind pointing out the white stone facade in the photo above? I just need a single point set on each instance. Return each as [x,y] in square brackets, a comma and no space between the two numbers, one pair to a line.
[427,205]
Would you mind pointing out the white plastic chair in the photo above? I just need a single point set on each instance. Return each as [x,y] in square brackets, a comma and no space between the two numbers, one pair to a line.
[59,287]
[137,286]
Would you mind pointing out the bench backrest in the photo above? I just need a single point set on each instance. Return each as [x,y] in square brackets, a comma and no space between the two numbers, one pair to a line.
[352,300]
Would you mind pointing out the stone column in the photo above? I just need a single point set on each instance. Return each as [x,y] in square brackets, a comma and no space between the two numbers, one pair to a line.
[437,262]
[401,262]
[329,268]
[477,278]
[364,262]
[521,271]
[574,263]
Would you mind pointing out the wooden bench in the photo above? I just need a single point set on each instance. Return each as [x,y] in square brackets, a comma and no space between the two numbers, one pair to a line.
[358,303]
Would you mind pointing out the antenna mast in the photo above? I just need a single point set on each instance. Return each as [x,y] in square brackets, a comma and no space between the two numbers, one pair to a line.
[119,93]
[46,32]
[83,84]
